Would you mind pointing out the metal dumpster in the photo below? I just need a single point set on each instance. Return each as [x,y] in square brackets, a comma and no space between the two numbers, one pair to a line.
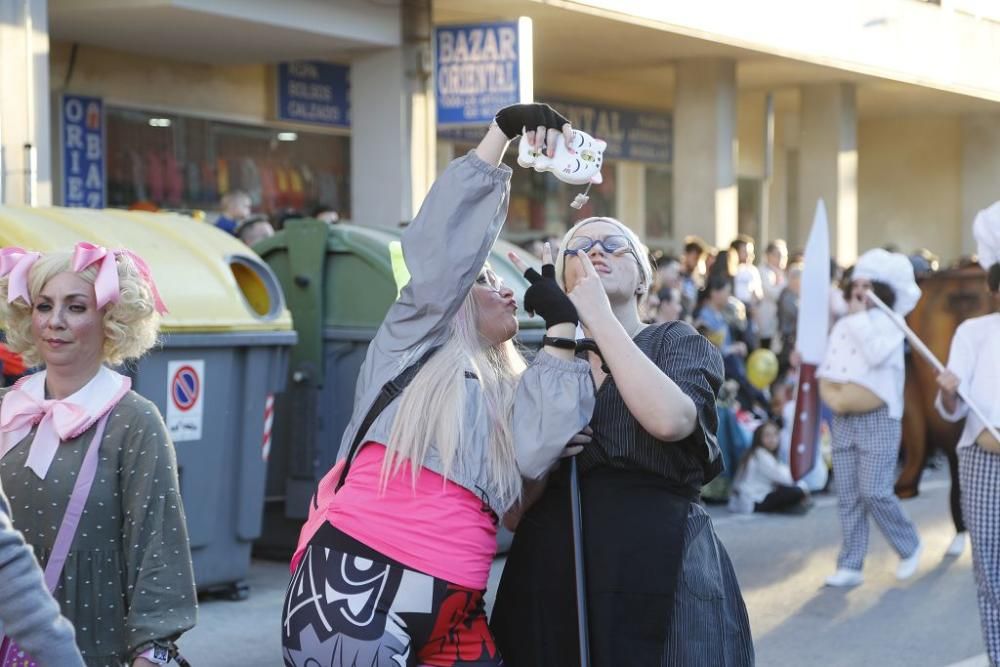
[338,281]
[224,354]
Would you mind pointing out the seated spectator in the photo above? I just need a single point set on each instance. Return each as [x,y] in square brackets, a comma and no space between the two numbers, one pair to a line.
[762,483]
[669,305]
[747,285]
[692,270]
[327,214]
[773,280]
[254,229]
[788,315]
[668,272]
[712,321]
[235,208]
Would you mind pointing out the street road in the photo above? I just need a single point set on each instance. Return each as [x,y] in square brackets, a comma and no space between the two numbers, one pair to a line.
[929,621]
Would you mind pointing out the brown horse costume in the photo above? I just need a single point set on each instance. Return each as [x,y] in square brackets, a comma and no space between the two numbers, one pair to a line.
[949,297]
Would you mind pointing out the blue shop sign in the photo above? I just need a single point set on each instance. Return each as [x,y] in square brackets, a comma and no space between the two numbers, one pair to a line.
[83,160]
[641,136]
[481,68]
[314,92]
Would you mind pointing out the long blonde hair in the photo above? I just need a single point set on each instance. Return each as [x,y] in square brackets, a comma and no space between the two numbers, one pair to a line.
[432,409]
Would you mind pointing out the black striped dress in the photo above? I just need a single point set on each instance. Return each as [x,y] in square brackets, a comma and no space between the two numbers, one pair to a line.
[661,589]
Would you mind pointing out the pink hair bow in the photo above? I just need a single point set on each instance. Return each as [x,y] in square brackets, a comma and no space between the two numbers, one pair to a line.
[16,263]
[106,287]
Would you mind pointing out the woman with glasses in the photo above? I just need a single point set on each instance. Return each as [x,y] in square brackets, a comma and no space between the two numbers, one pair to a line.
[653,448]
[393,562]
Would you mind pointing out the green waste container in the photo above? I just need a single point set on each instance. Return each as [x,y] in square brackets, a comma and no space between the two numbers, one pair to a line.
[339,284]
[224,354]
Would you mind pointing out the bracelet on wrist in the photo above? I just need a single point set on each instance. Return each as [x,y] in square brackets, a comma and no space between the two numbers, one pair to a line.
[561,343]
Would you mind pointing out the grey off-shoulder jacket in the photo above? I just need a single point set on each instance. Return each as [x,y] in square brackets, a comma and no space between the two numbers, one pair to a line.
[445,248]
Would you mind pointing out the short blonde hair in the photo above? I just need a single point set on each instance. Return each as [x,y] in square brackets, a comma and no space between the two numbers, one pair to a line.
[131,325]
[641,251]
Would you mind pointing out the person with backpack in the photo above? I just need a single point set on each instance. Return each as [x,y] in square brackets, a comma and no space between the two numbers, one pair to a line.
[393,561]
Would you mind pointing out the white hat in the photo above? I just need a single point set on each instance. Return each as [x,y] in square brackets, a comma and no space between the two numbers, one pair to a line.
[893,269]
[986,229]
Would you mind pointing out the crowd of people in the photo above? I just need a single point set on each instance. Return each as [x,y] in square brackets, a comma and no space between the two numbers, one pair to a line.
[645,380]
[237,218]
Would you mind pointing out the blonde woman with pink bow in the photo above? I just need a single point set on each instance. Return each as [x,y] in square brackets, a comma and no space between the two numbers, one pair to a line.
[86,463]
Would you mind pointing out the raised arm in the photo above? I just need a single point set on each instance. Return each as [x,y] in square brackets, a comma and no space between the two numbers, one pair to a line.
[658,403]
[448,241]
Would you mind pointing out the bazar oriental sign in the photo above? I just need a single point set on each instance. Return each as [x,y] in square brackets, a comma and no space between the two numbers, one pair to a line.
[481,68]
[314,92]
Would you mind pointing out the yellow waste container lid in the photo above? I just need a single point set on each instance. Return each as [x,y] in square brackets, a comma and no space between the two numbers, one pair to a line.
[209,280]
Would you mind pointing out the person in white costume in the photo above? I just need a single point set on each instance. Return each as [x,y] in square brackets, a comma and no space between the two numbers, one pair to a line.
[974,366]
[861,379]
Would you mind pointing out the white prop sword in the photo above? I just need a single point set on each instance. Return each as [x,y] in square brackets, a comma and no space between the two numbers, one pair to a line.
[810,340]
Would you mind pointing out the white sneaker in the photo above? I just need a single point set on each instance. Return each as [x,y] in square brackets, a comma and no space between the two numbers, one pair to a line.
[957,545]
[844,578]
[908,566]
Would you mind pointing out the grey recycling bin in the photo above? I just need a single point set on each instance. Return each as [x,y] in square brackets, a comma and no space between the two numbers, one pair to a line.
[338,282]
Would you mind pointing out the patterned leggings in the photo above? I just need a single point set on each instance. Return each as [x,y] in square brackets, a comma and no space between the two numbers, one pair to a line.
[347,604]
[865,449]
[979,472]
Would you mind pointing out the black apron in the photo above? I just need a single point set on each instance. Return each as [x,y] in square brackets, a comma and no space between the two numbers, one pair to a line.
[633,532]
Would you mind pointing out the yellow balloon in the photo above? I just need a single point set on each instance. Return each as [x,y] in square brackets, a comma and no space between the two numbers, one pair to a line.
[762,368]
[717,338]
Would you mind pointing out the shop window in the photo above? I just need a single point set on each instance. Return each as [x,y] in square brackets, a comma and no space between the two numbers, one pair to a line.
[659,206]
[177,162]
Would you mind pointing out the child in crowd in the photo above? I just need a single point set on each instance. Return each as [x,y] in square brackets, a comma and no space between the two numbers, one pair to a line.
[762,482]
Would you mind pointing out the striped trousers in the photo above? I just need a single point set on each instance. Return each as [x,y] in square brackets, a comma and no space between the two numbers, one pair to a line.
[865,449]
[979,473]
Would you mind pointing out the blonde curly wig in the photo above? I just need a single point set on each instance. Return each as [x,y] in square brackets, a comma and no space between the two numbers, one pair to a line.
[131,326]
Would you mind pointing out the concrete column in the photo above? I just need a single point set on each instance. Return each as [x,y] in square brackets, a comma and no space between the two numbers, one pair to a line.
[630,200]
[24,103]
[980,170]
[705,197]
[777,209]
[828,167]
[394,125]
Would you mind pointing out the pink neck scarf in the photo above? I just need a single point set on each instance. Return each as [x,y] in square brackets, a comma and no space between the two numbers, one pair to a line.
[25,405]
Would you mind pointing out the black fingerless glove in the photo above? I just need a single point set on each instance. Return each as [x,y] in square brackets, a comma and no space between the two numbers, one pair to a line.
[546,298]
[514,119]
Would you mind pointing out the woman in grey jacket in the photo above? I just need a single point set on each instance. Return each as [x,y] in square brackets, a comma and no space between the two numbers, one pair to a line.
[393,562]
[28,614]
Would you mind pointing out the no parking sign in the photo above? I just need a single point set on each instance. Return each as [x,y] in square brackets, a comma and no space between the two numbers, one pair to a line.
[185,389]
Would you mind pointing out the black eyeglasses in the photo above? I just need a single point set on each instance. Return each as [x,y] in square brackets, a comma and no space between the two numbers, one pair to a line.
[615,244]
